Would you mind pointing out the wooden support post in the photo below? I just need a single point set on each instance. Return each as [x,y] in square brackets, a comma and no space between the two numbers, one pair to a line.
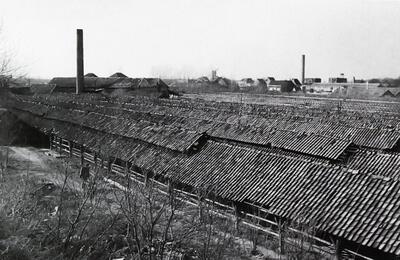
[82,159]
[95,159]
[171,194]
[51,141]
[70,148]
[170,187]
[126,171]
[281,227]
[254,233]
[338,249]
[237,216]
[200,205]
[60,145]
[146,179]
[109,165]
[55,143]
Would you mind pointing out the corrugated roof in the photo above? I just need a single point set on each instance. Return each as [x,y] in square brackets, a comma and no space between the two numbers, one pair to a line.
[171,134]
[312,144]
[171,137]
[334,200]
[376,138]
[258,130]
[358,201]
[376,162]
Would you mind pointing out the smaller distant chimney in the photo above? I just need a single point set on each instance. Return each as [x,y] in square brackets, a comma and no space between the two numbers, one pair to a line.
[303,70]
[213,75]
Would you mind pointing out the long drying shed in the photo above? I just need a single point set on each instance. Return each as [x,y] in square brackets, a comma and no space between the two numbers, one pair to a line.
[302,160]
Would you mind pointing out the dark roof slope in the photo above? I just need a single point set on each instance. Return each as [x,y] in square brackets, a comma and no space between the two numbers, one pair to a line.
[247,80]
[297,82]
[153,83]
[42,88]
[90,82]
[261,82]
[91,75]
[118,75]
[132,83]
[203,79]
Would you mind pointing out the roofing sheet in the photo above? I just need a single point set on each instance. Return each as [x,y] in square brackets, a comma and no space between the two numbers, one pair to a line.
[356,205]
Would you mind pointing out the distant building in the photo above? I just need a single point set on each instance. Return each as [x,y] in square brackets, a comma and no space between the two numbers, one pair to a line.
[360,90]
[309,81]
[246,83]
[358,80]
[139,86]
[127,83]
[203,79]
[338,80]
[68,84]
[268,80]
[224,82]
[260,83]
[152,83]
[274,88]
[282,85]
[113,85]
[326,87]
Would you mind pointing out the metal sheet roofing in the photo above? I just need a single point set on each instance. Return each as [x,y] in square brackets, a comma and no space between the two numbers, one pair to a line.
[358,201]
[179,133]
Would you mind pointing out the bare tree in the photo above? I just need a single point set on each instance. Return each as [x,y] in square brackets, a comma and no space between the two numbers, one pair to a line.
[5,62]
[9,71]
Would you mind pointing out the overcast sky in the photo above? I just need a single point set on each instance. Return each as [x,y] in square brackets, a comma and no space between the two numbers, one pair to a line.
[248,38]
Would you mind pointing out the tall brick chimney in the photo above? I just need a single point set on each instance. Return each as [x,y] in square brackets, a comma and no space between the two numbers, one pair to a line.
[79,62]
[303,69]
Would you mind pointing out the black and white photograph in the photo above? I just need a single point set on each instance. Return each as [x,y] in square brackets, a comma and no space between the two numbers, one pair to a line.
[199,129]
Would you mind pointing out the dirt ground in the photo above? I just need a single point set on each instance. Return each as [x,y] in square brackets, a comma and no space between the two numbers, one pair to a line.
[44,165]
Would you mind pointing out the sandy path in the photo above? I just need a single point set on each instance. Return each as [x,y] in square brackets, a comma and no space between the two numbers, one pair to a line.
[42,164]
[30,155]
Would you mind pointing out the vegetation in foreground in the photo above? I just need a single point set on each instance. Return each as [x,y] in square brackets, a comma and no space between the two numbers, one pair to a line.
[42,219]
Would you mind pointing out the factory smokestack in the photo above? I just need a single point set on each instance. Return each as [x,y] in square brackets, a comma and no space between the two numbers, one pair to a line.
[303,69]
[79,62]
